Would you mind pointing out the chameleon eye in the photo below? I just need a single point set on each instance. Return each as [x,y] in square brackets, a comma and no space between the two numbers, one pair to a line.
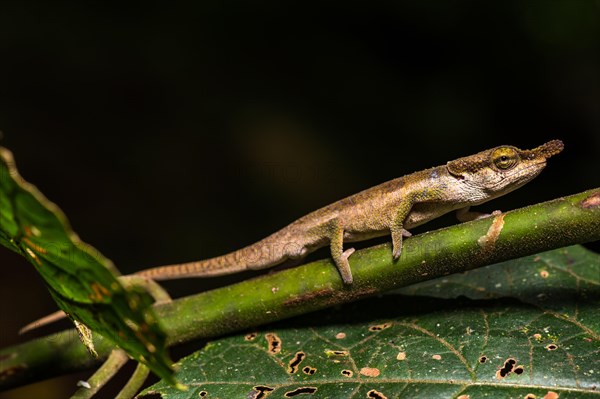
[505,158]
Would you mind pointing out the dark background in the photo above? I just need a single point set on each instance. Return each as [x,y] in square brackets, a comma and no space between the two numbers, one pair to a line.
[176,132]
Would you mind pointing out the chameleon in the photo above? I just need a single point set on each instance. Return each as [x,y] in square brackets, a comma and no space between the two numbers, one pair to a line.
[390,208]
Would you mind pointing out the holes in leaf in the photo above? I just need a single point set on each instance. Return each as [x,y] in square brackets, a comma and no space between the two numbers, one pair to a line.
[309,370]
[483,359]
[552,347]
[250,336]
[373,394]
[336,353]
[347,373]
[260,392]
[295,362]
[300,391]
[274,343]
[509,367]
[544,274]
[380,327]
[202,394]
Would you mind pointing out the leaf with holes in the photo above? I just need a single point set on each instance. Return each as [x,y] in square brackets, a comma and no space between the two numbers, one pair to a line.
[79,278]
[528,328]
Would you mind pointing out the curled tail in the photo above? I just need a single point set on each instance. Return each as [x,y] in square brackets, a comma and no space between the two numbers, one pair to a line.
[266,253]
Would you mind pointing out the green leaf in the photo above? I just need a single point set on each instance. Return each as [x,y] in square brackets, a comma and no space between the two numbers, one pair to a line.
[551,281]
[79,278]
[524,327]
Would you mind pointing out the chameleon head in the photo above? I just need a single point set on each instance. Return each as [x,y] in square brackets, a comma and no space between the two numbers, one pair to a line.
[497,171]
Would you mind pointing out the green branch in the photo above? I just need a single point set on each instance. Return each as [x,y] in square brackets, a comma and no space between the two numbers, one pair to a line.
[317,285]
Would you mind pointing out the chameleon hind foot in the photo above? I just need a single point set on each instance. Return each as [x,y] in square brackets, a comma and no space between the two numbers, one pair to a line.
[344,267]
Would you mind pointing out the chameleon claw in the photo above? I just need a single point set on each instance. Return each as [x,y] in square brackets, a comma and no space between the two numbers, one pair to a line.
[397,250]
[396,253]
[397,242]
[397,246]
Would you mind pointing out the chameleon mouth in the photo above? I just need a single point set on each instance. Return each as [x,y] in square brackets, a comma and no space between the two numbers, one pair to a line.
[540,165]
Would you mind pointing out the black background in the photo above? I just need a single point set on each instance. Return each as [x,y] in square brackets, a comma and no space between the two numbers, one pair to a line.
[173,132]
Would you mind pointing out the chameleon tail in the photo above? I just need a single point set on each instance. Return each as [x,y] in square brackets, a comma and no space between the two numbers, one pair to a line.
[266,253]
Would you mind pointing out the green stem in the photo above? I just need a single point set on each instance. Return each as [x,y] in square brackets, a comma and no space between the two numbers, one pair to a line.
[565,221]
[135,382]
[111,366]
